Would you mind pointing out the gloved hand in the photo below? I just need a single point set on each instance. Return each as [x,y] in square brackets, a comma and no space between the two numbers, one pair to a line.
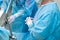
[28,21]
[11,18]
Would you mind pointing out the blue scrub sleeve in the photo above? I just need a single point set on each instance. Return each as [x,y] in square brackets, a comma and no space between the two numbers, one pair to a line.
[44,26]
[27,11]
[30,7]
[4,34]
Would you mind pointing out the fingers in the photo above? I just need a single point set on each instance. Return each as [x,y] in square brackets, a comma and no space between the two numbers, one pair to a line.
[11,19]
[28,21]
[29,18]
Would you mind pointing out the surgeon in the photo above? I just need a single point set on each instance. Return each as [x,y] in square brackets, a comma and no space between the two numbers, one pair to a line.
[46,22]
[20,10]
[19,14]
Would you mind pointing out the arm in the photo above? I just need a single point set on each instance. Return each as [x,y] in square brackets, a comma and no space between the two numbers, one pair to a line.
[26,11]
[44,27]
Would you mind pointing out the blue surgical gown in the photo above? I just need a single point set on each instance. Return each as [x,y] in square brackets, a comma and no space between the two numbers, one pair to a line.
[4,34]
[19,28]
[45,25]
[19,24]
[1,2]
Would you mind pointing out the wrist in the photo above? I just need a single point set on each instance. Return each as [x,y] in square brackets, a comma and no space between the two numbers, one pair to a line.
[15,15]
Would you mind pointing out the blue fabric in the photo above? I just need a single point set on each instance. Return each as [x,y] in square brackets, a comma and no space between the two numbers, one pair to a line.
[1,2]
[4,5]
[34,10]
[46,23]
[45,26]
[19,24]
[4,34]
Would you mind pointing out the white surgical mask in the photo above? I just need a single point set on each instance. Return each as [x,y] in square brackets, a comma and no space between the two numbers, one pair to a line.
[38,2]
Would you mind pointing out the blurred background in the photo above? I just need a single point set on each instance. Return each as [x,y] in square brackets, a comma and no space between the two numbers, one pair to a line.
[58,2]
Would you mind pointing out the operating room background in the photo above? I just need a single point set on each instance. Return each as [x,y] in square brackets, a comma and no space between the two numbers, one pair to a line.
[58,2]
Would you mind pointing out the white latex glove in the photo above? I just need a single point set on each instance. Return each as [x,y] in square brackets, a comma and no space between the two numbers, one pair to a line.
[11,18]
[28,21]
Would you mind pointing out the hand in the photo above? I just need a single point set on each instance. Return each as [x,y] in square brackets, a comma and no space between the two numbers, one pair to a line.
[11,18]
[28,21]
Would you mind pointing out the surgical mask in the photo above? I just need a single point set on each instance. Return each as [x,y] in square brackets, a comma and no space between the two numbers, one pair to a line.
[38,2]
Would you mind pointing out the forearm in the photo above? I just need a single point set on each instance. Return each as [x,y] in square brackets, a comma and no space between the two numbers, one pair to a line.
[19,13]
